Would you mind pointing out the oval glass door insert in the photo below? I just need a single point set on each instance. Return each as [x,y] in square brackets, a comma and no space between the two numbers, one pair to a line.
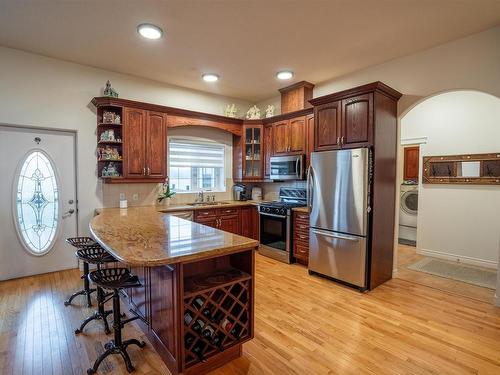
[37,203]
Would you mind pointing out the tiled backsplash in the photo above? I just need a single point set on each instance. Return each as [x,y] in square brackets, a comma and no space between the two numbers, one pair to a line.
[147,193]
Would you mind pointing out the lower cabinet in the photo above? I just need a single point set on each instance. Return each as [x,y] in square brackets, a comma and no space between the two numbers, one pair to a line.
[301,237]
[238,220]
[226,219]
[250,222]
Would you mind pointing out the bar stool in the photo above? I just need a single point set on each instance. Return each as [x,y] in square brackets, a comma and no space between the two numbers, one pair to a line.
[116,279]
[96,255]
[79,243]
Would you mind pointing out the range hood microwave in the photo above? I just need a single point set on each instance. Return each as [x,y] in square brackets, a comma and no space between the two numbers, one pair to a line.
[287,167]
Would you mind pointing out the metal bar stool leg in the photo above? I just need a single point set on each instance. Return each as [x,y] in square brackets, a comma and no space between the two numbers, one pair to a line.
[103,278]
[86,291]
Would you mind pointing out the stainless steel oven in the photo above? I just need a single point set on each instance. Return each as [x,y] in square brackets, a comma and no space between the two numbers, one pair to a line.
[275,224]
[275,236]
[287,167]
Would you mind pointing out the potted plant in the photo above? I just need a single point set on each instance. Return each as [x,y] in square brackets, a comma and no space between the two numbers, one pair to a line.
[165,194]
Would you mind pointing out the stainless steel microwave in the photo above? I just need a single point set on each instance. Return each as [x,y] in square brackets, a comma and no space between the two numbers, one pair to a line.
[287,167]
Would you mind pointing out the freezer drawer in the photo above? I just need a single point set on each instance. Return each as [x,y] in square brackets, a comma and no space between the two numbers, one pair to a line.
[337,255]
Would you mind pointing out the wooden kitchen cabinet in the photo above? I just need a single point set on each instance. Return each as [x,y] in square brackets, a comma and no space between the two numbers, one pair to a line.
[226,219]
[268,149]
[144,140]
[327,121]
[346,123]
[301,237]
[250,222]
[357,121]
[290,136]
[411,162]
[280,138]
[310,138]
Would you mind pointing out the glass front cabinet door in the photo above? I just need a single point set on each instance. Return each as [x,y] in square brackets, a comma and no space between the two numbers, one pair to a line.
[253,157]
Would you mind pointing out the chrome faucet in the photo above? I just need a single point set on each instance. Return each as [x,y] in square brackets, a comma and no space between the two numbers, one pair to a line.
[200,197]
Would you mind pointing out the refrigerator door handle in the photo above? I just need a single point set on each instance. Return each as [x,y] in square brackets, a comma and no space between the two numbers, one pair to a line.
[309,186]
[335,235]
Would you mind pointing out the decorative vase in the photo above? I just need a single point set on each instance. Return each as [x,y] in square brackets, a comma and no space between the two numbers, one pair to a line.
[166,202]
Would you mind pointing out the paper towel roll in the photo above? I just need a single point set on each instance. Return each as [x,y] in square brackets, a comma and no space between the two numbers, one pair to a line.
[123,203]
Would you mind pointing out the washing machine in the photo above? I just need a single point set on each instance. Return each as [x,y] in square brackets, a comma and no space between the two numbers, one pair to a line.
[408,213]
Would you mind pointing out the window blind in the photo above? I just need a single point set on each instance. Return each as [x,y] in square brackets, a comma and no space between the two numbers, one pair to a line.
[184,153]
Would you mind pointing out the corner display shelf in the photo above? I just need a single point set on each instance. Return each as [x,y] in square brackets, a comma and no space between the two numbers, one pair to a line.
[219,300]
[109,136]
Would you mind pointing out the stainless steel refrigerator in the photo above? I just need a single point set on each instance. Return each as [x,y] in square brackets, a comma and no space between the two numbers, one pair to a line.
[338,196]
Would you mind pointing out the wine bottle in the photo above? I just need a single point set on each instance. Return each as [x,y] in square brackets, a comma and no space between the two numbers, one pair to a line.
[208,332]
[198,352]
[187,318]
[235,333]
[198,302]
[188,340]
[226,325]
[207,313]
[217,342]
[198,325]
[217,317]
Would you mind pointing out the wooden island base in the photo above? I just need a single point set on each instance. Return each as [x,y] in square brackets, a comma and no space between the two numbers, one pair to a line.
[225,286]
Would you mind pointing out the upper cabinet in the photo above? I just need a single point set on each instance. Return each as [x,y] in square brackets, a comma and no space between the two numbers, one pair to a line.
[290,136]
[357,121]
[327,126]
[144,144]
[346,123]
[346,119]
[248,152]
[411,163]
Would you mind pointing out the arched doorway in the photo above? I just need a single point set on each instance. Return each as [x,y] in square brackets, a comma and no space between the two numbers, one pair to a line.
[452,221]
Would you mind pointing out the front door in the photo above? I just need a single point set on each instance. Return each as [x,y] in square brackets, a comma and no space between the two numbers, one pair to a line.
[37,201]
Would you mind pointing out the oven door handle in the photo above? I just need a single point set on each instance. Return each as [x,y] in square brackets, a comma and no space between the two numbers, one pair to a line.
[273,215]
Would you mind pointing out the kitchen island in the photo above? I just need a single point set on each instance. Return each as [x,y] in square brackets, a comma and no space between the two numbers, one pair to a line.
[196,304]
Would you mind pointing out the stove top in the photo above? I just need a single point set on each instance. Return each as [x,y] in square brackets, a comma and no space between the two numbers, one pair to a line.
[279,204]
[289,198]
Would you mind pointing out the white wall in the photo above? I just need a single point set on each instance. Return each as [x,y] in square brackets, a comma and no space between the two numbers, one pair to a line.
[457,221]
[471,62]
[44,92]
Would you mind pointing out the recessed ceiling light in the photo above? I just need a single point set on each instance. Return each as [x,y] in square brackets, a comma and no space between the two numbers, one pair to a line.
[149,31]
[210,77]
[285,74]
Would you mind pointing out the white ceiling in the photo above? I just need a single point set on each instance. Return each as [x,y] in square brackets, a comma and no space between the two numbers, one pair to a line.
[245,42]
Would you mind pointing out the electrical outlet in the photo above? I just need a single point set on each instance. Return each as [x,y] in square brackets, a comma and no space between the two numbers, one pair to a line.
[135,196]
[122,196]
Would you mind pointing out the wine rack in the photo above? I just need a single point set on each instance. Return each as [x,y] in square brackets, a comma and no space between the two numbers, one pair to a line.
[210,300]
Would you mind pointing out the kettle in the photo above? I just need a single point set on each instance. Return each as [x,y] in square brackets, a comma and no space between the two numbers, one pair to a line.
[239,192]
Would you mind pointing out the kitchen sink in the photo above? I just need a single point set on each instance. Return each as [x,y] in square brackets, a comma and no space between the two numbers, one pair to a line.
[208,203]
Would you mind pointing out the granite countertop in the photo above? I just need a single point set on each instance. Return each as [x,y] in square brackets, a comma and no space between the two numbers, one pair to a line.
[301,209]
[142,236]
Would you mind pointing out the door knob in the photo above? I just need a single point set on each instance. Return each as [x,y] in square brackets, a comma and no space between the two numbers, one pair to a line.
[68,213]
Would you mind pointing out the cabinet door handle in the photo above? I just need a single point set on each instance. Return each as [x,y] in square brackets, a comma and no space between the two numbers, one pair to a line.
[338,141]
[144,171]
[342,140]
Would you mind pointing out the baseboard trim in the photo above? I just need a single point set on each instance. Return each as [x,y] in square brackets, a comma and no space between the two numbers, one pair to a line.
[459,258]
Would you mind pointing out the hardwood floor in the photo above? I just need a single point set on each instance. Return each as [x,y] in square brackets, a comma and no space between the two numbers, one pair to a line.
[407,255]
[304,325]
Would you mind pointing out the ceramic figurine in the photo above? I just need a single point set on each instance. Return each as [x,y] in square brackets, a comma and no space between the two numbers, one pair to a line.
[108,117]
[253,113]
[104,172]
[111,135]
[109,91]
[230,111]
[118,119]
[112,171]
[270,111]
